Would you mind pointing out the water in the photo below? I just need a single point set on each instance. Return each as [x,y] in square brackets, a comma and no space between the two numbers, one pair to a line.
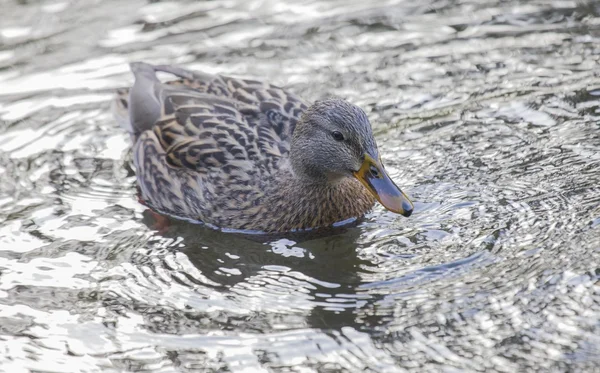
[486,112]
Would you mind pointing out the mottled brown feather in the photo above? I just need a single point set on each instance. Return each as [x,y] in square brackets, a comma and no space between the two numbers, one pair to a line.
[219,153]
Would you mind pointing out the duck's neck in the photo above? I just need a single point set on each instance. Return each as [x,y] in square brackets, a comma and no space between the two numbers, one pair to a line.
[308,203]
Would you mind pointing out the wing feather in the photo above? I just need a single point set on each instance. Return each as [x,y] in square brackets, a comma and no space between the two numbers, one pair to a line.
[214,124]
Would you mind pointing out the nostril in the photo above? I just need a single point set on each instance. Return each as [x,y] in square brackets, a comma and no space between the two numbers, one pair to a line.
[375,172]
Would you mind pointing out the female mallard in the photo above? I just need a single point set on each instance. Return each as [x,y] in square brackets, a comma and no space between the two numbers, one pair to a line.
[248,155]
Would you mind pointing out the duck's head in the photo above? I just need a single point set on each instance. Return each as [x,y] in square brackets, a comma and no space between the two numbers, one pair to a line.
[334,140]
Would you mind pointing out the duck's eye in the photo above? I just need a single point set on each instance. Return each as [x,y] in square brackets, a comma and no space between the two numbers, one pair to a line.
[337,136]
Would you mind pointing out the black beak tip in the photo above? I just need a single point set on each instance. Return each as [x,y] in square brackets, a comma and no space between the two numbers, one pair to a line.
[408,209]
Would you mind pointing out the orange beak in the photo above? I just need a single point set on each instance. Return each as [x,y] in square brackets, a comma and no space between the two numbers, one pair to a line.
[373,176]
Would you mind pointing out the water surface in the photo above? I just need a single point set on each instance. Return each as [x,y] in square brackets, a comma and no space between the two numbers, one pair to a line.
[486,112]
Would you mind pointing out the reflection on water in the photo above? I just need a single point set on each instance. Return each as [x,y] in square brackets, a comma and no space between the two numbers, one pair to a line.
[486,111]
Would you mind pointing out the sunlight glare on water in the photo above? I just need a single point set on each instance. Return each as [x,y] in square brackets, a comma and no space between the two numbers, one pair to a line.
[486,112]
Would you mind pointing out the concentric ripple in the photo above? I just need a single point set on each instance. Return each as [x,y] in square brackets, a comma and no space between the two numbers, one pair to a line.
[486,112]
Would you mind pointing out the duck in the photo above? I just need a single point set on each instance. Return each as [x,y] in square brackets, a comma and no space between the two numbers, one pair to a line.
[247,155]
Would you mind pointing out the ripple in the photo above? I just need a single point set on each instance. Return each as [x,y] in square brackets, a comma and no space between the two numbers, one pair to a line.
[486,113]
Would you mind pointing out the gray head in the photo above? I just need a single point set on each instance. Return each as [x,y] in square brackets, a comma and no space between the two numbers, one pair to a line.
[330,141]
[334,140]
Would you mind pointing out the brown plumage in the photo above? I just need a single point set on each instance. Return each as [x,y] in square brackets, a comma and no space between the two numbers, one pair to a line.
[244,154]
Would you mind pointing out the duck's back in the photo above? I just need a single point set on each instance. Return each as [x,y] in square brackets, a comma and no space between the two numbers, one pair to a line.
[204,145]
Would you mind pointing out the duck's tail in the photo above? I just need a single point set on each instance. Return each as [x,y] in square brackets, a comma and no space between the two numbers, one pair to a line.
[137,108]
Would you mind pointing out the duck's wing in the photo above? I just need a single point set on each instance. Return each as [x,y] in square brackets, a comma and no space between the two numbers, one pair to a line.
[204,122]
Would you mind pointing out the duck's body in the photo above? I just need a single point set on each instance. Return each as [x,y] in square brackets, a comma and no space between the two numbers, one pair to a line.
[259,197]
[224,151]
